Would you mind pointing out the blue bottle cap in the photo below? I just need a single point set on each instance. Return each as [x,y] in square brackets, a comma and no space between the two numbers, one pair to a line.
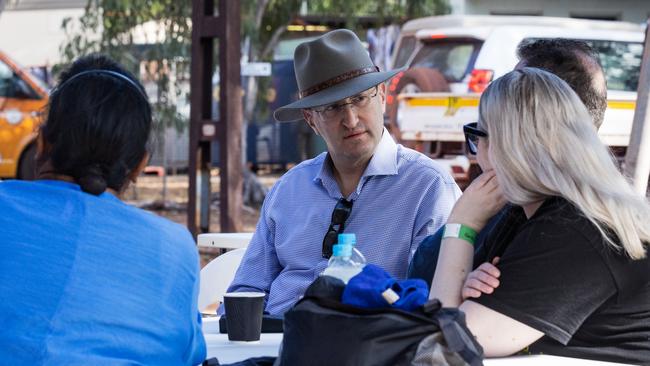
[347,238]
[342,250]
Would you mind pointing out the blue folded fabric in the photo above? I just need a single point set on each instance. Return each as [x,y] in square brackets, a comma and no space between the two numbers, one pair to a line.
[366,288]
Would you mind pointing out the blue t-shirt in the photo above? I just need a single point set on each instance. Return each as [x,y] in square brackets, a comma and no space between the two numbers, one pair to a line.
[90,280]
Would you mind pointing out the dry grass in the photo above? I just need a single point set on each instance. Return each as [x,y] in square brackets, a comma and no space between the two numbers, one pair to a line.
[147,193]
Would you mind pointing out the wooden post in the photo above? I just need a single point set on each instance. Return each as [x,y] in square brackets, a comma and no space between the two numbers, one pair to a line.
[206,27]
[231,93]
[637,158]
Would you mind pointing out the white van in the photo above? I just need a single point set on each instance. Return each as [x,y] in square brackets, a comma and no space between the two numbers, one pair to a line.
[453,58]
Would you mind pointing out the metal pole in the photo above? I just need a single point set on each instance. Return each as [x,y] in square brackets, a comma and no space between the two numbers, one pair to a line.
[637,158]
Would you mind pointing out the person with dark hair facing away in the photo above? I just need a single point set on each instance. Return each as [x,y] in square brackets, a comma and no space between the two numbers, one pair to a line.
[85,278]
[577,64]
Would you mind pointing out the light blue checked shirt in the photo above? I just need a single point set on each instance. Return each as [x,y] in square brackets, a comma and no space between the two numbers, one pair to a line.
[402,197]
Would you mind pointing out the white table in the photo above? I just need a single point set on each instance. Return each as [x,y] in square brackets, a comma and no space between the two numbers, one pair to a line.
[544,360]
[224,240]
[227,351]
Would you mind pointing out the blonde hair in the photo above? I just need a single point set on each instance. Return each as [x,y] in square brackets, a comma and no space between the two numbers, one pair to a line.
[542,143]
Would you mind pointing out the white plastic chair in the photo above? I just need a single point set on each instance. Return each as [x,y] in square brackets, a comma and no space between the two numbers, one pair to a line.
[217,275]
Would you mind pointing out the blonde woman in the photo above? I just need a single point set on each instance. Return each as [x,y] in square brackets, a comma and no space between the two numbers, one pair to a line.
[572,277]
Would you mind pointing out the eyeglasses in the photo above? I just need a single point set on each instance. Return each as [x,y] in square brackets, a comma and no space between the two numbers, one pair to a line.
[339,216]
[358,101]
[472,133]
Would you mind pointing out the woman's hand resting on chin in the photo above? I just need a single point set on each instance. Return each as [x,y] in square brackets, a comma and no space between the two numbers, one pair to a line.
[480,201]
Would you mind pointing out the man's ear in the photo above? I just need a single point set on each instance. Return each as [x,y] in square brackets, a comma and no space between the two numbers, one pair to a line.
[309,117]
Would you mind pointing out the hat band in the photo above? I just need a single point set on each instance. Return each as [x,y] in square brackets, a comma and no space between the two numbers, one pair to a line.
[337,80]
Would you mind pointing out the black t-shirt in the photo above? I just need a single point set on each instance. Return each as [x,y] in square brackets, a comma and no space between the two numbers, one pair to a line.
[560,277]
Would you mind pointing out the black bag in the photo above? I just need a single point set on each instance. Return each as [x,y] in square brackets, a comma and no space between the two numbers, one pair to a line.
[321,330]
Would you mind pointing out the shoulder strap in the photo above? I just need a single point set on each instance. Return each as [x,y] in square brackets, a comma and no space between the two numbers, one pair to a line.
[458,337]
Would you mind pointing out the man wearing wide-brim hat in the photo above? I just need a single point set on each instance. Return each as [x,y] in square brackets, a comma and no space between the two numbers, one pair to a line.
[391,197]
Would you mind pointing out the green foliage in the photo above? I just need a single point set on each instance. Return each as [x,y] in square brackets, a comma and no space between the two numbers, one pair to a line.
[264,21]
[401,10]
[109,27]
[276,15]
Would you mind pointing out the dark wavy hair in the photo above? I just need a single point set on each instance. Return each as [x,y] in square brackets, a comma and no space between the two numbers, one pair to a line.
[97,126]
[573,61]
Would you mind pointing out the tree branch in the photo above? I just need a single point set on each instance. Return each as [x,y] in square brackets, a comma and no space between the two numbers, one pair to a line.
[259,12]
[273,41]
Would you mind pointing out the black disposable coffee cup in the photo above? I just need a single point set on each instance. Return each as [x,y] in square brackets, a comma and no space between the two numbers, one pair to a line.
[244,315]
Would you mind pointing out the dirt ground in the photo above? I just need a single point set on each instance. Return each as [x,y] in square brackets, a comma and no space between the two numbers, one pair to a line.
[148,194]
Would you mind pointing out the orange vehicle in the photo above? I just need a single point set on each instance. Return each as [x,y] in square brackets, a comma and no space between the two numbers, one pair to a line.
[22,101]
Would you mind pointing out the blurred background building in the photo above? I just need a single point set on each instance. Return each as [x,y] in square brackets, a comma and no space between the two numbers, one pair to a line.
[31,33]
[635,11]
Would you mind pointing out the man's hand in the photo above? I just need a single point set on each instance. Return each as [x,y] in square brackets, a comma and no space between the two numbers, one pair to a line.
[480,201]
[482,280]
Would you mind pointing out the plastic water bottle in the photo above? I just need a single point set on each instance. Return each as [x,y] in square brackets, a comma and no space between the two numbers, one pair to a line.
[346,261]
[356,256]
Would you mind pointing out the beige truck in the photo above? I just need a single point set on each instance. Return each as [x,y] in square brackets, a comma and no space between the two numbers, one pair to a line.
[452,59]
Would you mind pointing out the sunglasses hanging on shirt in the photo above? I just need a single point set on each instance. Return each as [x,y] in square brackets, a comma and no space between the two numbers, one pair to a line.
[339,216]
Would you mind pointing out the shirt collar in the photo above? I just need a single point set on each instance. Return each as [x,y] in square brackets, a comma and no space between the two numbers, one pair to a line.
[383,162]
[325,170]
